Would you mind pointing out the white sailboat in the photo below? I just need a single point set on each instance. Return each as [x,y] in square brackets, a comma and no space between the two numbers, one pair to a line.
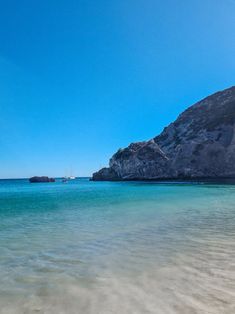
[69,177]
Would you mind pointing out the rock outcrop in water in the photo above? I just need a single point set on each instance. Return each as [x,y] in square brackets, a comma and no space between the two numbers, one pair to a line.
[43,179]
[199,144]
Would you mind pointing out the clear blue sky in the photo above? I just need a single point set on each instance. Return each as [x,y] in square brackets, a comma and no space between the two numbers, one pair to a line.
[80,78]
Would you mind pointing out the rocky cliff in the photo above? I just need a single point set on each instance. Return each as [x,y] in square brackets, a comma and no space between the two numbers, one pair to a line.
[199,144]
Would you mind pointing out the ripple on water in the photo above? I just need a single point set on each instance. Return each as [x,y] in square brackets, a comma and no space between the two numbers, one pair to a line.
[117,248]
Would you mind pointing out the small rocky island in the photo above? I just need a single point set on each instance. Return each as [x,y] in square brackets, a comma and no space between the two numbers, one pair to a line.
[199,144]
[42,179]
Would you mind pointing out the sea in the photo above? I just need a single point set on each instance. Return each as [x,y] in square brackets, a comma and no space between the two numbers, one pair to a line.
[117,247]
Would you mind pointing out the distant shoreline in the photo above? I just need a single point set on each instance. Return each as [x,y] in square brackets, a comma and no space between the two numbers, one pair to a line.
[27,178]
[208,180]
[229,180]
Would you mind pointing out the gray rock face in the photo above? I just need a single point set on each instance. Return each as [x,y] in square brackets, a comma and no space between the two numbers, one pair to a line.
[199,144]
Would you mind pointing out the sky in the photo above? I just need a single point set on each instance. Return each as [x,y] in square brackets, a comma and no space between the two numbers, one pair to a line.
[80,79]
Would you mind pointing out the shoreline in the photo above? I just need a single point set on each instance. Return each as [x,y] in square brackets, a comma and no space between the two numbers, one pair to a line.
[162,180]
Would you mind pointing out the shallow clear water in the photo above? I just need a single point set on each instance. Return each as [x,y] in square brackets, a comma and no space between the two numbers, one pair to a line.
[132,247]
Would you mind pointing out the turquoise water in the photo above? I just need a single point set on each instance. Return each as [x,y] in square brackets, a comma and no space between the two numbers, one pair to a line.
[103,247]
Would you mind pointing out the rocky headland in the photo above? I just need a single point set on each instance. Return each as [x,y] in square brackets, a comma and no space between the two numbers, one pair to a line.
[199,144]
